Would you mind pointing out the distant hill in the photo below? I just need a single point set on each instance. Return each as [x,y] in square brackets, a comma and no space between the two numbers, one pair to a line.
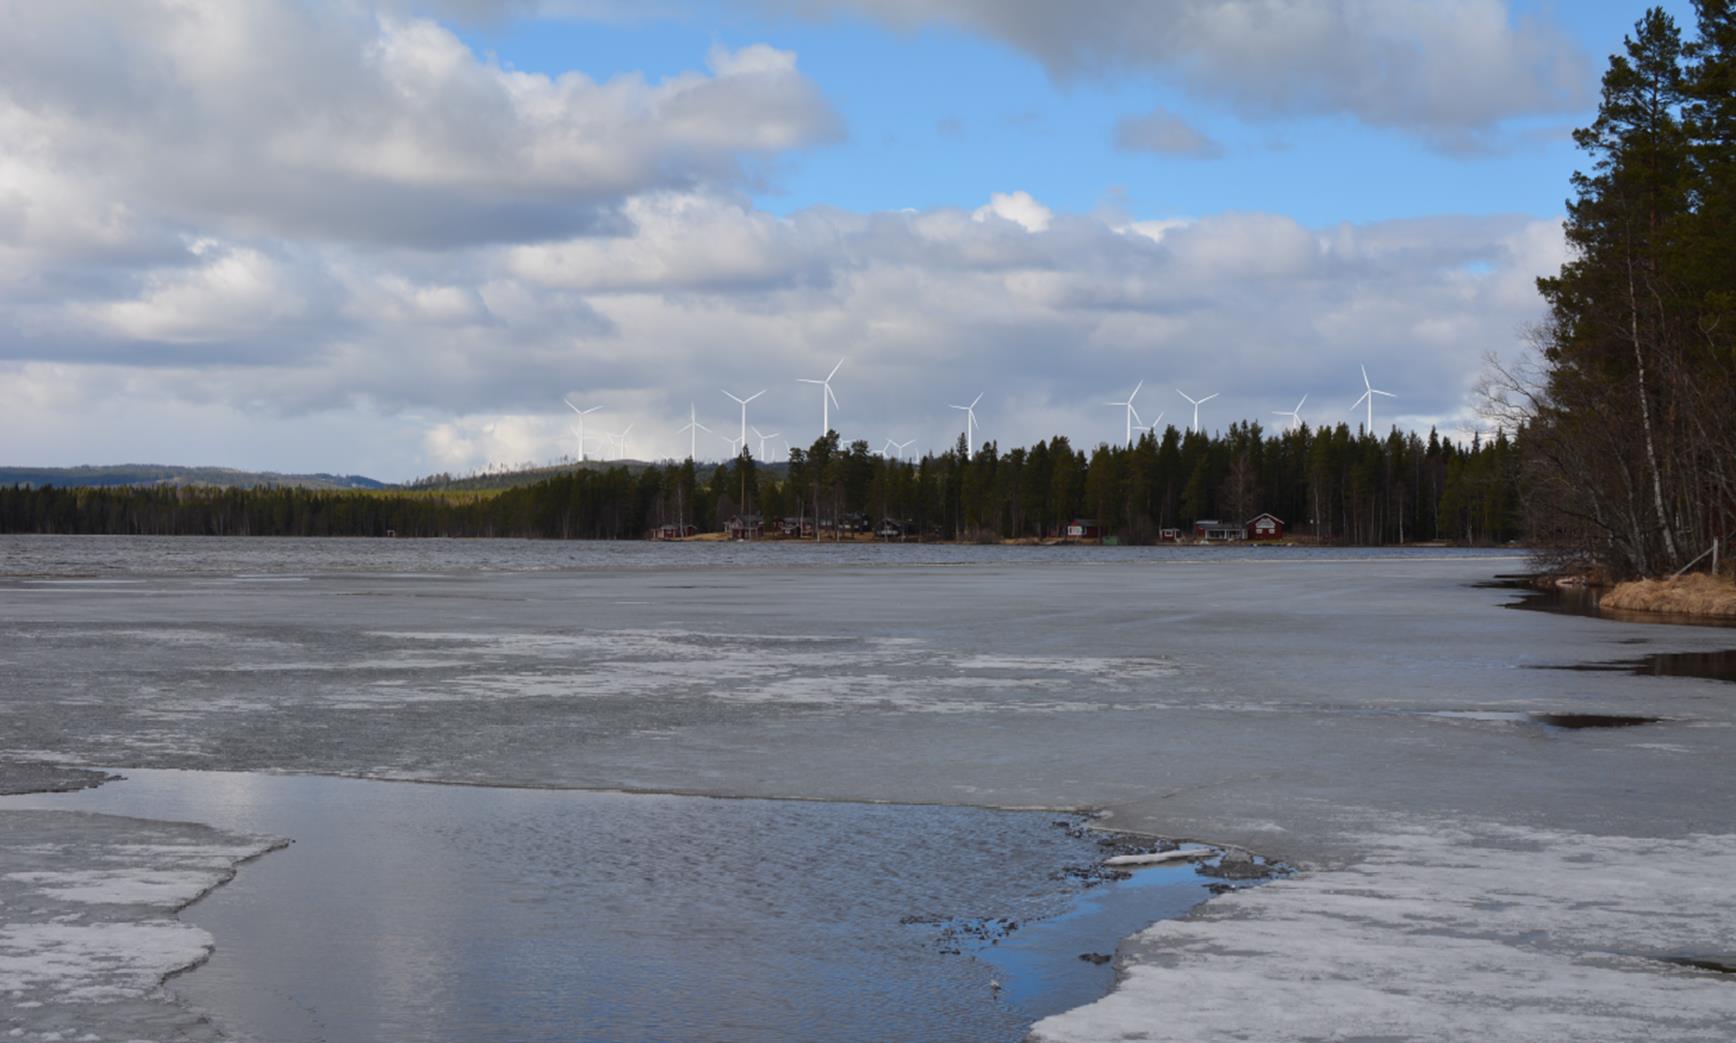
[162,474]
[532,475]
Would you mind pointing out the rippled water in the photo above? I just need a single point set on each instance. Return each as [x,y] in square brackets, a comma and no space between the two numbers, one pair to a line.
[406,911]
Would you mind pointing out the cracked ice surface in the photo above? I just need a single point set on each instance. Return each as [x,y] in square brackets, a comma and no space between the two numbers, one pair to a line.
[1444,932]
[87,925]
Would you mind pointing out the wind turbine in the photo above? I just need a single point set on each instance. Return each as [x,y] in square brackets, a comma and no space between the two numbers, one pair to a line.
[884,455]
[1197,402]
[1152,427]
[743,403]
[734,445]
[582,414]
[621,440]
[693,428]
[902,446]
[1368,393]
[764,438]
[970,425]
[1132,414]
[1295,415]
[827,399]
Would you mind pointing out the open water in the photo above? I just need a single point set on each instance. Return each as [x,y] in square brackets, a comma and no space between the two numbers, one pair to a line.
[433,912]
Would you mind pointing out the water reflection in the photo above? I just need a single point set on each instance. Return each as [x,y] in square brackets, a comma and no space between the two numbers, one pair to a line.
[409,911]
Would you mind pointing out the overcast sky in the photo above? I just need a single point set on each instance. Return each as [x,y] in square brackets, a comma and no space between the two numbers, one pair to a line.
[388,238]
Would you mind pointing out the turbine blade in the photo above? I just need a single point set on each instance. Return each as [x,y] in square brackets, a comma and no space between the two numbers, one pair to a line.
[1365,382]
[1388,394]
[1136,388]
[753,396]
[805,380]
[977,399]
[832,395]
[835,370]
[1211,396]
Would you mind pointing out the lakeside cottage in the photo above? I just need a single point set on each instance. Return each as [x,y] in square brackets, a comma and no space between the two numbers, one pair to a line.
[1266,526]
[1084,529]
[1210,530]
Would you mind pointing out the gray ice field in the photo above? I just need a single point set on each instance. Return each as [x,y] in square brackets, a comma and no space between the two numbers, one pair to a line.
[1469,868]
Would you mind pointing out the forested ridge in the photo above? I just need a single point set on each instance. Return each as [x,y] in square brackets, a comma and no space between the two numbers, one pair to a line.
[1325,482]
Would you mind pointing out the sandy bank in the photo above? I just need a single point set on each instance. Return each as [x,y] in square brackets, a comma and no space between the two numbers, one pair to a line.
[1692,595]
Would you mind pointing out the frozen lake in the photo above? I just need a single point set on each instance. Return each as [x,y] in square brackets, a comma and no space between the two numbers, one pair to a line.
[1376,717]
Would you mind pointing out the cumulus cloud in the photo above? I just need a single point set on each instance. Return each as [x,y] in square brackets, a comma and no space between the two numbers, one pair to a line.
[333,238]
[342,123]
[1017,207]
[1045,311]
[1165,133]
[1451,73]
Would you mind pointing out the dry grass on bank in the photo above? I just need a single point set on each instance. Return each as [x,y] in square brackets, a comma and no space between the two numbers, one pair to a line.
[1693,595]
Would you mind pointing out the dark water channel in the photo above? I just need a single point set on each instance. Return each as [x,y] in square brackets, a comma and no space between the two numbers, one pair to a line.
[432,912]
[1584,601]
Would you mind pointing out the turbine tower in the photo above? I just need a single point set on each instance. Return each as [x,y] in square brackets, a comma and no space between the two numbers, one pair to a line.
[582,414]
[1368,393]
[764,438]
[827,399]
[693,428]
[970,426]
[1132,414]
[1295,415]
[1197,402]
[621,441]
[743,403]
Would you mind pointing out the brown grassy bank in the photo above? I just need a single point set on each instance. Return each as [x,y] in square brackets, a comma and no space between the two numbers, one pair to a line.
[1692,595]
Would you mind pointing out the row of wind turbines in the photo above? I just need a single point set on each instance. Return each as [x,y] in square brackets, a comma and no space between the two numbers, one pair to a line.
[899,450]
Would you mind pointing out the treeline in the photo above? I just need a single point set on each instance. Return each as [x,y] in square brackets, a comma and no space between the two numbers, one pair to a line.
[1629,411]
[1327,483]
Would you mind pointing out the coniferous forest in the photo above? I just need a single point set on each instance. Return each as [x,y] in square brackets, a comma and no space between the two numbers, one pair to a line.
[1627,414]
[1325,483]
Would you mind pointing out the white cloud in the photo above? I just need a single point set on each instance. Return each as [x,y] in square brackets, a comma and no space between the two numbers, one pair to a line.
[311,121]
[458,360]
[1017,207]
[1449,72]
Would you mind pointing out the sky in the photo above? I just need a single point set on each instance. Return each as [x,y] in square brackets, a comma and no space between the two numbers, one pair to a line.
[389,237]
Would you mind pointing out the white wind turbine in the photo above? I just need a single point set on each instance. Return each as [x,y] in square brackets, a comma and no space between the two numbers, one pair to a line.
[581,432]
[692,429]
[1295,415]
[902,447]
[884,455]
[827,399]
[970,426]
[764,438]
[621,441]
[735,445]
[743,403]
[1132,414]
[1152,427]
[1197,402]
[1368,393]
